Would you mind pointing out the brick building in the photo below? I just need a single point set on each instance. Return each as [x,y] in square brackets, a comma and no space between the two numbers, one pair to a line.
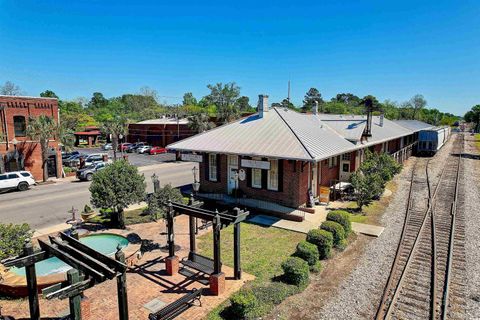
[281,156]
[159,132]
[17,151]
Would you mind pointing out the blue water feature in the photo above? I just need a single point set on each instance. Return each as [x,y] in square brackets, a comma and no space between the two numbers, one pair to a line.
[104,243]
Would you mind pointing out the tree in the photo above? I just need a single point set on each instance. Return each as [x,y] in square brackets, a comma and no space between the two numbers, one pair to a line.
[48,94]
[10,89]
[473,116]
[116,187]
[13,238]
[243,104]
[98,101]
[200,122]
[224,96]
[417,102]
[370,101]
[348,99]
[311,96]
[66,136]
[117,127]
[367,186]
[157,201]
[42,129]
[189,99]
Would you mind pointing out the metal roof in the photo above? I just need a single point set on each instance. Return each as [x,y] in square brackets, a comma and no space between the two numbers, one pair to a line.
[414,125]
[164,121]
[349,129]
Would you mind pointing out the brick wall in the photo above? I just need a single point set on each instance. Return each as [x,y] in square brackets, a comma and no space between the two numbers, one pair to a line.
[329,174]
[11,106]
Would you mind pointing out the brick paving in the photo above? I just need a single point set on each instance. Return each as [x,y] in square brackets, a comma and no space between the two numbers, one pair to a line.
[146,280]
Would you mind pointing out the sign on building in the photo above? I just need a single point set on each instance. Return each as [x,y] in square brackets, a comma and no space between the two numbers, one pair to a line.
[256,164]
[192,157]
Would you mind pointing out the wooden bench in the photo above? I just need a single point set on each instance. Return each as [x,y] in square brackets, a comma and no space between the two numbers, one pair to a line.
[199,263]
[175,308]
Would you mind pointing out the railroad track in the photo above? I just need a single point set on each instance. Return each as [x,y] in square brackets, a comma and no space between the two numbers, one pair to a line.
[426,280]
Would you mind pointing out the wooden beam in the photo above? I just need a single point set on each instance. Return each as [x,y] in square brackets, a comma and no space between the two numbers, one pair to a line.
[112,263]
[32,288]
[75,299]
[70,290]
[58,286]
[27,260]
[68,259]
[81,256]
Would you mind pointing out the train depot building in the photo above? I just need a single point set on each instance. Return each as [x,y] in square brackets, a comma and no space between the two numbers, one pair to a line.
[19,152]
[284,157]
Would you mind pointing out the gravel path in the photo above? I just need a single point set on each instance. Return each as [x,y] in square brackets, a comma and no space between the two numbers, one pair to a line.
[471,180]
[360,293]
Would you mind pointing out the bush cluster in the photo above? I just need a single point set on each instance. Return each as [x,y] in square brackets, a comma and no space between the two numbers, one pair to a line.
[323,240]
[336,230]
[13,238]
[243,303]
[342,217]
[295,271]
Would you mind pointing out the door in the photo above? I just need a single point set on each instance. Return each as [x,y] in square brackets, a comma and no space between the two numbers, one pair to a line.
[315,179]
[52,166]
[232,170]
[345,167]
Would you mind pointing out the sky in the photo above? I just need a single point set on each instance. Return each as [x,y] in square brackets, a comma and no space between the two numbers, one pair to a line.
[390,49]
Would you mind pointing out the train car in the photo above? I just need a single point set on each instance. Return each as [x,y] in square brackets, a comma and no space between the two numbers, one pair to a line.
[430,141]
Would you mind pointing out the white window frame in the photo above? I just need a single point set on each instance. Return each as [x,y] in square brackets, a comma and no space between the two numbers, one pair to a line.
[273,176]
[212,167]
[332,162]
[346,157]
[258,172]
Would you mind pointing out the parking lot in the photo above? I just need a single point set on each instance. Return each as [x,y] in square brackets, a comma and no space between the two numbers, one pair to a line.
[136,159]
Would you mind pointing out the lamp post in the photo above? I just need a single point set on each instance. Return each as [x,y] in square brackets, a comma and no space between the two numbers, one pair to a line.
[156,183]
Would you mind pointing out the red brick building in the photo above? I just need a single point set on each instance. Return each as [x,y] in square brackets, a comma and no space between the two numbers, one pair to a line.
[281,156]
[159,132]
[19,152]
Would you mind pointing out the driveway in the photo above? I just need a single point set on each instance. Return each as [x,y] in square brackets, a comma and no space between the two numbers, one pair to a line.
[46,205]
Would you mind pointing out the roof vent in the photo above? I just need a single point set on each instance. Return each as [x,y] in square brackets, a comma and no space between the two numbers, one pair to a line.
[262,104]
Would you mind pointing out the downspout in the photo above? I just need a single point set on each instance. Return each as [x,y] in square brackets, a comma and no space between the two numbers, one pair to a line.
[6,128]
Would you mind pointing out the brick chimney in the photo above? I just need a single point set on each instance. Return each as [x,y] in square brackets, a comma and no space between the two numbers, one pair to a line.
[381,119]
[262,104]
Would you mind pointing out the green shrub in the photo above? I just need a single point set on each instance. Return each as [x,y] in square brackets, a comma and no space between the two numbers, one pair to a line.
[295,271]
[336,229]
[307,251]
[316,268]
[274,293]
[12,239]
[341,217]
[323,240]
[243,303]
[87,209]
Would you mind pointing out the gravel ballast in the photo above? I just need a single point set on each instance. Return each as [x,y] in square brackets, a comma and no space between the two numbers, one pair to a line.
[360,293]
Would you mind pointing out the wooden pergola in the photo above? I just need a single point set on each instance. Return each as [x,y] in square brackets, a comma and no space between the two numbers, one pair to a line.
[90,267]
[219,221]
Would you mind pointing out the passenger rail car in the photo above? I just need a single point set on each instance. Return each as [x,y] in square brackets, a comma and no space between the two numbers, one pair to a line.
[430,141]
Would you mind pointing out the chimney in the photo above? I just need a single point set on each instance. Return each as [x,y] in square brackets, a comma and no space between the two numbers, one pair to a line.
[368,128]
[262,104]
[381,120]
[315,107]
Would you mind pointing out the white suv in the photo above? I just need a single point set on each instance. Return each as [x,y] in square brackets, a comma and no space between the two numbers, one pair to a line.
[20,180]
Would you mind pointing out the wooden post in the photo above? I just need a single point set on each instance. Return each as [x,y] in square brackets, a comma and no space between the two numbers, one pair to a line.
[193,227]
[122,288]
[74,302]
[170,231]
[31,284]
[217,265]
[237,271]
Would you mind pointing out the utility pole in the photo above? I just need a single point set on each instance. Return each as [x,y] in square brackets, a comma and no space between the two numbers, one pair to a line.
[288,94]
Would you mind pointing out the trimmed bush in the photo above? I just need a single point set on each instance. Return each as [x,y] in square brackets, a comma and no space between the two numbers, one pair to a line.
[274,293]
[336,229]
[341,217]
[242,303]
[323,240]
[307,251]
[316,268]
[295,271]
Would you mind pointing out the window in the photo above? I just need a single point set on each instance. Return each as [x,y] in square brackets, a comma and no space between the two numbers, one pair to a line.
[19,126]
[3,177]
[273,175]
[332,162]
[346,156]
[212,167]
[25,174]
[256,176]
[12,176]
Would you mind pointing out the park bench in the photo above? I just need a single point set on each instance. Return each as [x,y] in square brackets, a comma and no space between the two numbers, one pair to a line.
[172,310]
[199,263]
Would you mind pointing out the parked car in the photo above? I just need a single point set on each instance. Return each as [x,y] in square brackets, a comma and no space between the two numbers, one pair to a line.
[74,160]
[107,146]
[20,180]
[134,147]
[66,155]
[86,174]
[124,146]
[143,149]
[157,150]
[94,158]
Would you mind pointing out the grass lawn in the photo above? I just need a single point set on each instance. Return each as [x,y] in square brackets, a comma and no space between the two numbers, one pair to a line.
[131,217]
[477,141]
[262,252]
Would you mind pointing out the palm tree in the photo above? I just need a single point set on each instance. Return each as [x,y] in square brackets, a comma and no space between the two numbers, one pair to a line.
[116,127]
[42,129]
[200,122]
[66,137]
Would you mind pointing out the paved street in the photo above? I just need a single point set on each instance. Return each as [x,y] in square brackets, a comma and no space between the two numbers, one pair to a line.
[47,205]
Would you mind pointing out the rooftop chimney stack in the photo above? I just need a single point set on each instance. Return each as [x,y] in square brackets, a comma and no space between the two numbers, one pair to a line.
[368,128]
[262,104]
[381,120]
[315,107]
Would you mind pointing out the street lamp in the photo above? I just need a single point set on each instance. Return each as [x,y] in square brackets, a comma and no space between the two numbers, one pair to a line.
[156,183]
[196,184]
